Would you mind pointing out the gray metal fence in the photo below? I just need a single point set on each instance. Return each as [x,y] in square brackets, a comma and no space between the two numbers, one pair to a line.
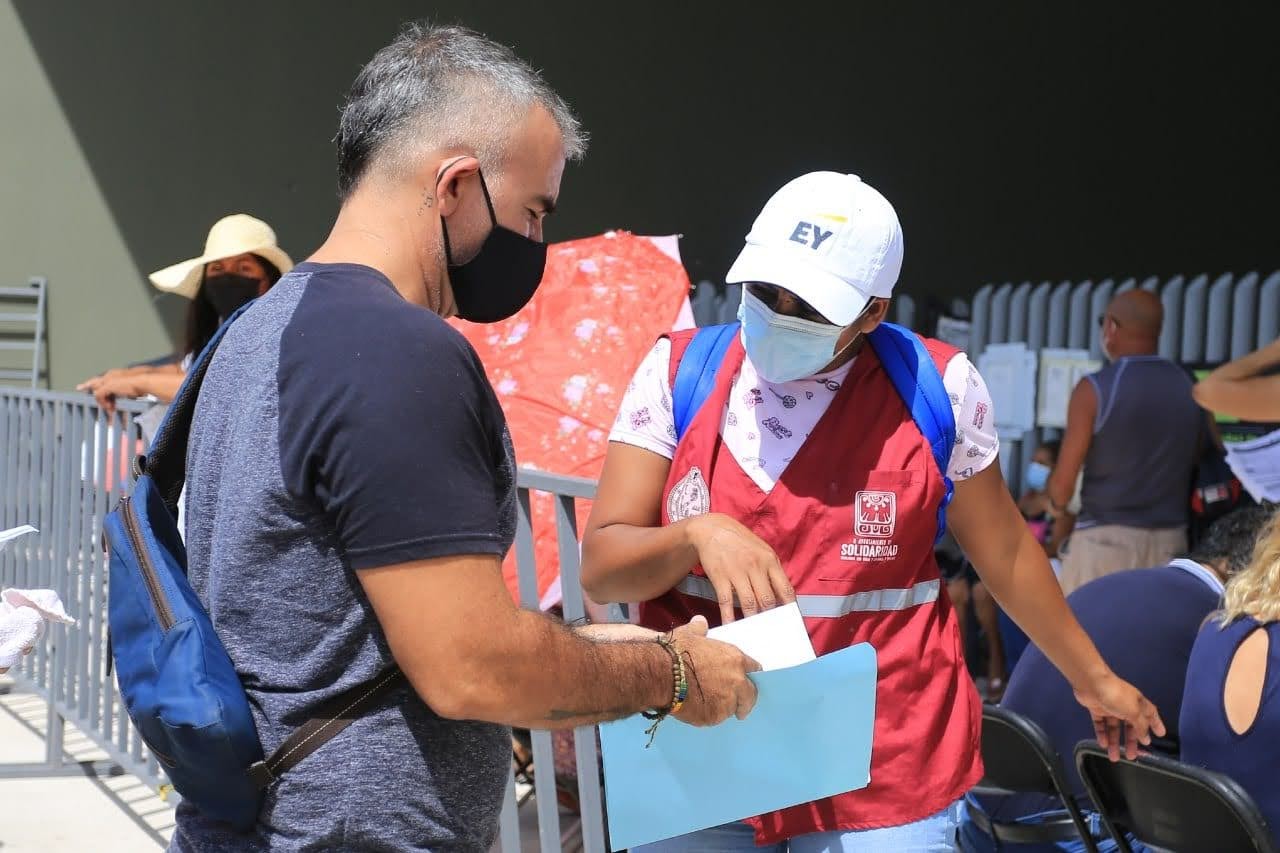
[1206,321]
[64,464]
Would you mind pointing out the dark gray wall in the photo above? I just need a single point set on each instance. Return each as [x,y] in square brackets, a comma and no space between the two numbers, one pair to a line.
[1018,140]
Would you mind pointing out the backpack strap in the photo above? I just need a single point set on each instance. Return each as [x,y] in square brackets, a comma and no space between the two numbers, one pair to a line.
[696,375]
[916,378]
[331,717]
[166,459]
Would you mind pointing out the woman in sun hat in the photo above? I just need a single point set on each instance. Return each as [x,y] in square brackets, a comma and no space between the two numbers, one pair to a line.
[241,261]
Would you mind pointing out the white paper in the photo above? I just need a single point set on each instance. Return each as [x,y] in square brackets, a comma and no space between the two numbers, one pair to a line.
[1257,464]
[670,246]
[7,536]
[1010,373]
[776,638]
[1060,371]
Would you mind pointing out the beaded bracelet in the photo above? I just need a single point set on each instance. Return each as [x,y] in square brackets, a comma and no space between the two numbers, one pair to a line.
[679,692]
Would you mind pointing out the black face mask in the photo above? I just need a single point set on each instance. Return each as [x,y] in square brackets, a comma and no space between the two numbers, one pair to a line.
[501,278]
[227,292]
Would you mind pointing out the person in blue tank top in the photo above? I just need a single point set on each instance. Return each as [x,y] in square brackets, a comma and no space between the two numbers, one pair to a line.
[1230,719]
[1135,433]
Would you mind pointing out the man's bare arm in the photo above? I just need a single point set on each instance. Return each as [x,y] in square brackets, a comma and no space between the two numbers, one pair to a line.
[471,654]
[1081,412]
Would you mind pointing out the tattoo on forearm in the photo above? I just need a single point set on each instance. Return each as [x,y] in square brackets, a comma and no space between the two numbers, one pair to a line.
[558,715]
[688,665]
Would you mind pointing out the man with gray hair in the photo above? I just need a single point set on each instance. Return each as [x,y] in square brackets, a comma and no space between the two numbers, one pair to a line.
[351,482]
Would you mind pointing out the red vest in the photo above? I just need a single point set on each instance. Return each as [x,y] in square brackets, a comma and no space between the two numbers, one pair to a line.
[853,520]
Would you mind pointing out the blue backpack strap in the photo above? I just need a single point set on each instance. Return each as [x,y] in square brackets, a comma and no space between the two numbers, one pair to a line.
[696,375]
[166,459]
[916,378]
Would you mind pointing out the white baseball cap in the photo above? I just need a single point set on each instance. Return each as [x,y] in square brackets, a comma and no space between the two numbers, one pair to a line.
[828,238]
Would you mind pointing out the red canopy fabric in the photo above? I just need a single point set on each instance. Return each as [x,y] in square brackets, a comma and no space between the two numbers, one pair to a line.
[561,365]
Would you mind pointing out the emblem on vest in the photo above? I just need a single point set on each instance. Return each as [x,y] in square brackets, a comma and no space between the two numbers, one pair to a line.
[689,497]
[875,514]
[875,517]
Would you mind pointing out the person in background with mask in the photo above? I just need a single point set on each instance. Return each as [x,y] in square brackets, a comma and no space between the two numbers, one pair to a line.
[1034,503]
[241,261]
[1135,432]
[803,477]
[351,481]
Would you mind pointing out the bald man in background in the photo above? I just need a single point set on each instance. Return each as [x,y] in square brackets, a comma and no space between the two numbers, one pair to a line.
[1136,431]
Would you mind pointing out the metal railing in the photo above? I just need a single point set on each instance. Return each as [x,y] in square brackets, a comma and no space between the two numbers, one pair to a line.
[63,466]
[566,491]
[63,463]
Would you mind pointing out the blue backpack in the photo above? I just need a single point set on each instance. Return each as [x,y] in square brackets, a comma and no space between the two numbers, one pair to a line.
[903,356]
[177,680]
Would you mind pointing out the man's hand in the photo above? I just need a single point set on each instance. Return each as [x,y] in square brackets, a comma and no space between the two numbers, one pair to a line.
[717,676]
[739,564]
[1112,701]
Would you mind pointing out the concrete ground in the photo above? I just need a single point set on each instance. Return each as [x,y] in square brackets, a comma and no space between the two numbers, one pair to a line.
[104,815]
[76,814]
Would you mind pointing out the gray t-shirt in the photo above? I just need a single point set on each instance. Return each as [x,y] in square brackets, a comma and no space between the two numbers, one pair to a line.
[341,428]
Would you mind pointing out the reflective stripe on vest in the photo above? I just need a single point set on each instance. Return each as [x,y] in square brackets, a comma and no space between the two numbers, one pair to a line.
[835,606]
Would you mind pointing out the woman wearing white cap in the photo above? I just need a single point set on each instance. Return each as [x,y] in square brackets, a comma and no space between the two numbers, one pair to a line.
[805,471]
[241,261]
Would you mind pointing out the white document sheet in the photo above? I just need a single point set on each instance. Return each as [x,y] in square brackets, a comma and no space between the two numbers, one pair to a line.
[1257,464]
[776,638]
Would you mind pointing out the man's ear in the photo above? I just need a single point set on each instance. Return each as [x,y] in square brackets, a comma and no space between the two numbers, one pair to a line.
[450,174]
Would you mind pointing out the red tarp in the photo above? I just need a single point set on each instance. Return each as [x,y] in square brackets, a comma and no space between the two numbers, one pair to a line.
[561,365]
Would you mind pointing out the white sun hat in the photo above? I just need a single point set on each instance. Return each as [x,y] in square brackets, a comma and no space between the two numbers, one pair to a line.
[830,239]
[232,235]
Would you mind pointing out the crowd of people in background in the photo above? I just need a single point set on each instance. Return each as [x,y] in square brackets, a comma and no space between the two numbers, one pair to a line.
[1187,610]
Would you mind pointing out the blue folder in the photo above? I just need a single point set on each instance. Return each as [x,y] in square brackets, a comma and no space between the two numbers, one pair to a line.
[808,737]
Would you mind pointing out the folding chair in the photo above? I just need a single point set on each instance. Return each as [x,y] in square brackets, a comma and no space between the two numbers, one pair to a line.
[1166,804]
[1020,759]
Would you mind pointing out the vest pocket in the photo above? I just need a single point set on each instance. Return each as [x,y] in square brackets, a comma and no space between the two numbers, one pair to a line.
[871,533]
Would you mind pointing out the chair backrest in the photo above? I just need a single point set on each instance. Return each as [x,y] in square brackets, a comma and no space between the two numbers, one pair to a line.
[1167,804]
[1018,756]
[1020,759]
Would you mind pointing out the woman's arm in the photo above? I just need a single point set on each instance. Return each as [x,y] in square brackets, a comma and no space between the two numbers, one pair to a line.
[1237,388]
[162,383]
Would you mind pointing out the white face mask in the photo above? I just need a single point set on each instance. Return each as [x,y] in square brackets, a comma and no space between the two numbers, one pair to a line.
[784,348]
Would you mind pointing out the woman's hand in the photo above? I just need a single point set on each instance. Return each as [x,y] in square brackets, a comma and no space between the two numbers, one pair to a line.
[739,564]
[1111,701]
[112,385]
